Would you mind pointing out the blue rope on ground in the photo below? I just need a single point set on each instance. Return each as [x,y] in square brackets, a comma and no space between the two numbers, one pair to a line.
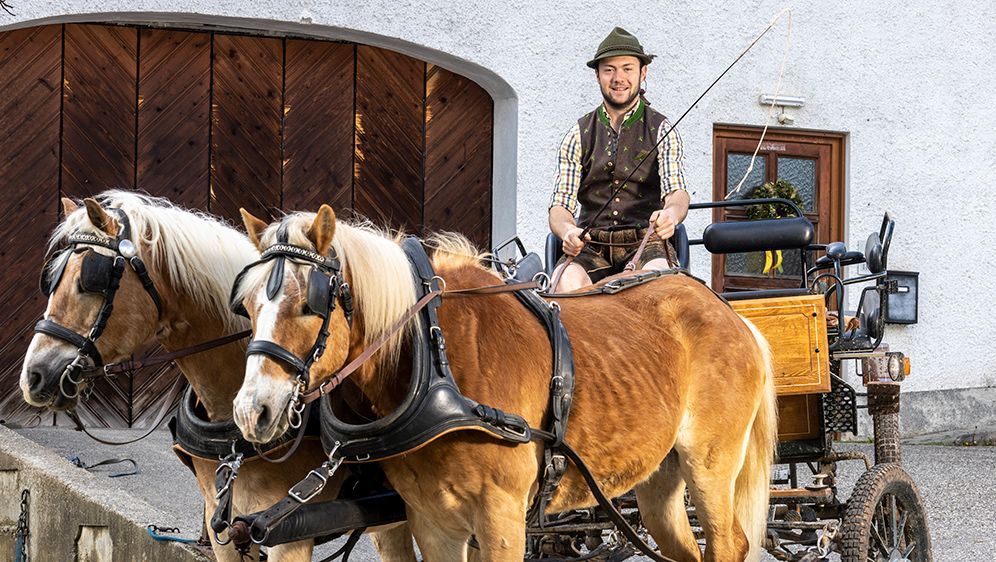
[154,532]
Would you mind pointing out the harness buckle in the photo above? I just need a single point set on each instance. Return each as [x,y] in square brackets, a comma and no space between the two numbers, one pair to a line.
[232,465]
[306,495]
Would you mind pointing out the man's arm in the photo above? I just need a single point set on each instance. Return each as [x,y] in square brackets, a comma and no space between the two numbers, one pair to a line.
[671,163]
[565,194]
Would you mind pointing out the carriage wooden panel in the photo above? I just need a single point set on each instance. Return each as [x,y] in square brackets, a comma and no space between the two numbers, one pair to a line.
[218,121]
[174,109]
[98,138]
[30,104]
[796,330]
[246,125]
[390,96]
[318,125]
[458,132]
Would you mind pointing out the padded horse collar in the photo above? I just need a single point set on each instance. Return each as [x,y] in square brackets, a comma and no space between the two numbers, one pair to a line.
[325,286]
[100,274]
[433,405]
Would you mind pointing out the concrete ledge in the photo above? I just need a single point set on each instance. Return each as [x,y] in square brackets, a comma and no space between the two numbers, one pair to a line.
[76,515]
[948,414]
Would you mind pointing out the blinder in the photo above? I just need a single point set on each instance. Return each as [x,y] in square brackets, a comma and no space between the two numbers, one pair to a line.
[97,271]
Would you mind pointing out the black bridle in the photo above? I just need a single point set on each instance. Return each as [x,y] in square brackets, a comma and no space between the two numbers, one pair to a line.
[99,274]
[326,285]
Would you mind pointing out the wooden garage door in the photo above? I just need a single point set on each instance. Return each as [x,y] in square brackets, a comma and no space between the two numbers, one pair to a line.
[216,122]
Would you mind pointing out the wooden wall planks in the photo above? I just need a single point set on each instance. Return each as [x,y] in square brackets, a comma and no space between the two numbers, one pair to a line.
[174,115]
[98,138]
[318,125]
[246,126]
[390,95]
[30,103]
[458,141]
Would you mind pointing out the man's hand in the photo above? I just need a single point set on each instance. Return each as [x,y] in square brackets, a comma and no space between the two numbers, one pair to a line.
[572,241]
[663,223]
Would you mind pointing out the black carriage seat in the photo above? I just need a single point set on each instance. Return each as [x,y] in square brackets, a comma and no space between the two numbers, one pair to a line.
[555,248]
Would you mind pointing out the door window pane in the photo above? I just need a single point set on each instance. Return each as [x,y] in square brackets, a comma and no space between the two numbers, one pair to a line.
[736,167]
[801,173]
[753,264]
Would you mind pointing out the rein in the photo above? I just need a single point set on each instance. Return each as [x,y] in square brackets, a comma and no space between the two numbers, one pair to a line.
[112,369]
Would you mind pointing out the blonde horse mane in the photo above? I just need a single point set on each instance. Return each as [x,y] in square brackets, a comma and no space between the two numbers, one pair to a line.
[374,265]
[179,245]
[454,250]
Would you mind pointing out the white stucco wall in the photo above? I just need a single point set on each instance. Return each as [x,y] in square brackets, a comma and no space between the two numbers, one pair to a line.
[912,85]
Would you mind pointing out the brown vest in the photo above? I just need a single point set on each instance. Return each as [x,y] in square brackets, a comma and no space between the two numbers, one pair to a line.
[607,158]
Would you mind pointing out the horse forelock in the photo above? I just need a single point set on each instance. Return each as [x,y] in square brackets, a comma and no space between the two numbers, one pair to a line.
[197,254]
[373,264]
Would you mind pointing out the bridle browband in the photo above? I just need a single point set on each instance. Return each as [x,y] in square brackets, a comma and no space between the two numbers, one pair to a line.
[326,285]
[100,274]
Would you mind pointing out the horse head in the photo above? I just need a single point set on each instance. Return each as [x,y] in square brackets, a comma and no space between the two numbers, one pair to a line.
[300,297]
[95,272]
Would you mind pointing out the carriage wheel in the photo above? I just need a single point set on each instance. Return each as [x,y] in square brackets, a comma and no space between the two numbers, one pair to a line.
[885,519]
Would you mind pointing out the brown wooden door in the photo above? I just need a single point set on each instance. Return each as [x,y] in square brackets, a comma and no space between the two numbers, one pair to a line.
[215,122]
[811,161]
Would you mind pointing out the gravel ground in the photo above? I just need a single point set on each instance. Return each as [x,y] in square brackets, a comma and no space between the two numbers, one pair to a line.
[956,484]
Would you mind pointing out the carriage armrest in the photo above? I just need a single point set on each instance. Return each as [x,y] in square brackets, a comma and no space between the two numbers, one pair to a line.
[554,250]
[758,235]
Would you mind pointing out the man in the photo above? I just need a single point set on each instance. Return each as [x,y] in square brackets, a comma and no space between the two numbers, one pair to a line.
[598,154]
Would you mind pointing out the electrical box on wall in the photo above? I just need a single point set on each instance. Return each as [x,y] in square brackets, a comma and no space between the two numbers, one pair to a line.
[902,305]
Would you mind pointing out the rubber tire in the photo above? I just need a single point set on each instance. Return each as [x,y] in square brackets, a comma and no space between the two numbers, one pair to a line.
[887,447]
[868,492]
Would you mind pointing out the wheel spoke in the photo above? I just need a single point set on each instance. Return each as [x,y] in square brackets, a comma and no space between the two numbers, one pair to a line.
[909,550]
[895,519]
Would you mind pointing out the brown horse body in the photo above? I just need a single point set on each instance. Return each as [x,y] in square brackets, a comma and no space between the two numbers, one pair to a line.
[186,320]
[663,367]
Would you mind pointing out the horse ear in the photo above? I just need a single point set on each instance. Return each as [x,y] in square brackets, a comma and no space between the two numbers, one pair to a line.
[254,227]
[68,206]
[99,217]
[322,229]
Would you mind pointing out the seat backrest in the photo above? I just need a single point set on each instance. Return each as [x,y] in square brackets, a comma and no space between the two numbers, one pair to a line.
[758,235]
[555,248]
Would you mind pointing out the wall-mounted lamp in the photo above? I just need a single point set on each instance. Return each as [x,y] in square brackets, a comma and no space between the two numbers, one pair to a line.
[782,102]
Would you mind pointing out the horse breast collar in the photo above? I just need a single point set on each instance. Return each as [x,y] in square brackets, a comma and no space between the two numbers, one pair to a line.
[433,405]
[99,274]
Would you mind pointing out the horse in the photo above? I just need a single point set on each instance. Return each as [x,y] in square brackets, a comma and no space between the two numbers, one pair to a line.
[192,260]
[672,388]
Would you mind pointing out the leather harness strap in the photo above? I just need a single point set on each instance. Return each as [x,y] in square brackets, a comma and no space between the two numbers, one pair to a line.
[132,365]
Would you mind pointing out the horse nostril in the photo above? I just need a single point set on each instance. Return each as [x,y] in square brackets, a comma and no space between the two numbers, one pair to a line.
[35,381]
[263,419]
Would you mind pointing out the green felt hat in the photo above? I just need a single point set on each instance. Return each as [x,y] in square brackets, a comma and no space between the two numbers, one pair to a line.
[620,42]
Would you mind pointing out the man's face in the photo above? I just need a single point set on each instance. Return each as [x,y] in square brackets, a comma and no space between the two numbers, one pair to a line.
[619,79]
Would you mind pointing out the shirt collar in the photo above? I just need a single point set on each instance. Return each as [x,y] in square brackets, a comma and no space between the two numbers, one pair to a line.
[631,116]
